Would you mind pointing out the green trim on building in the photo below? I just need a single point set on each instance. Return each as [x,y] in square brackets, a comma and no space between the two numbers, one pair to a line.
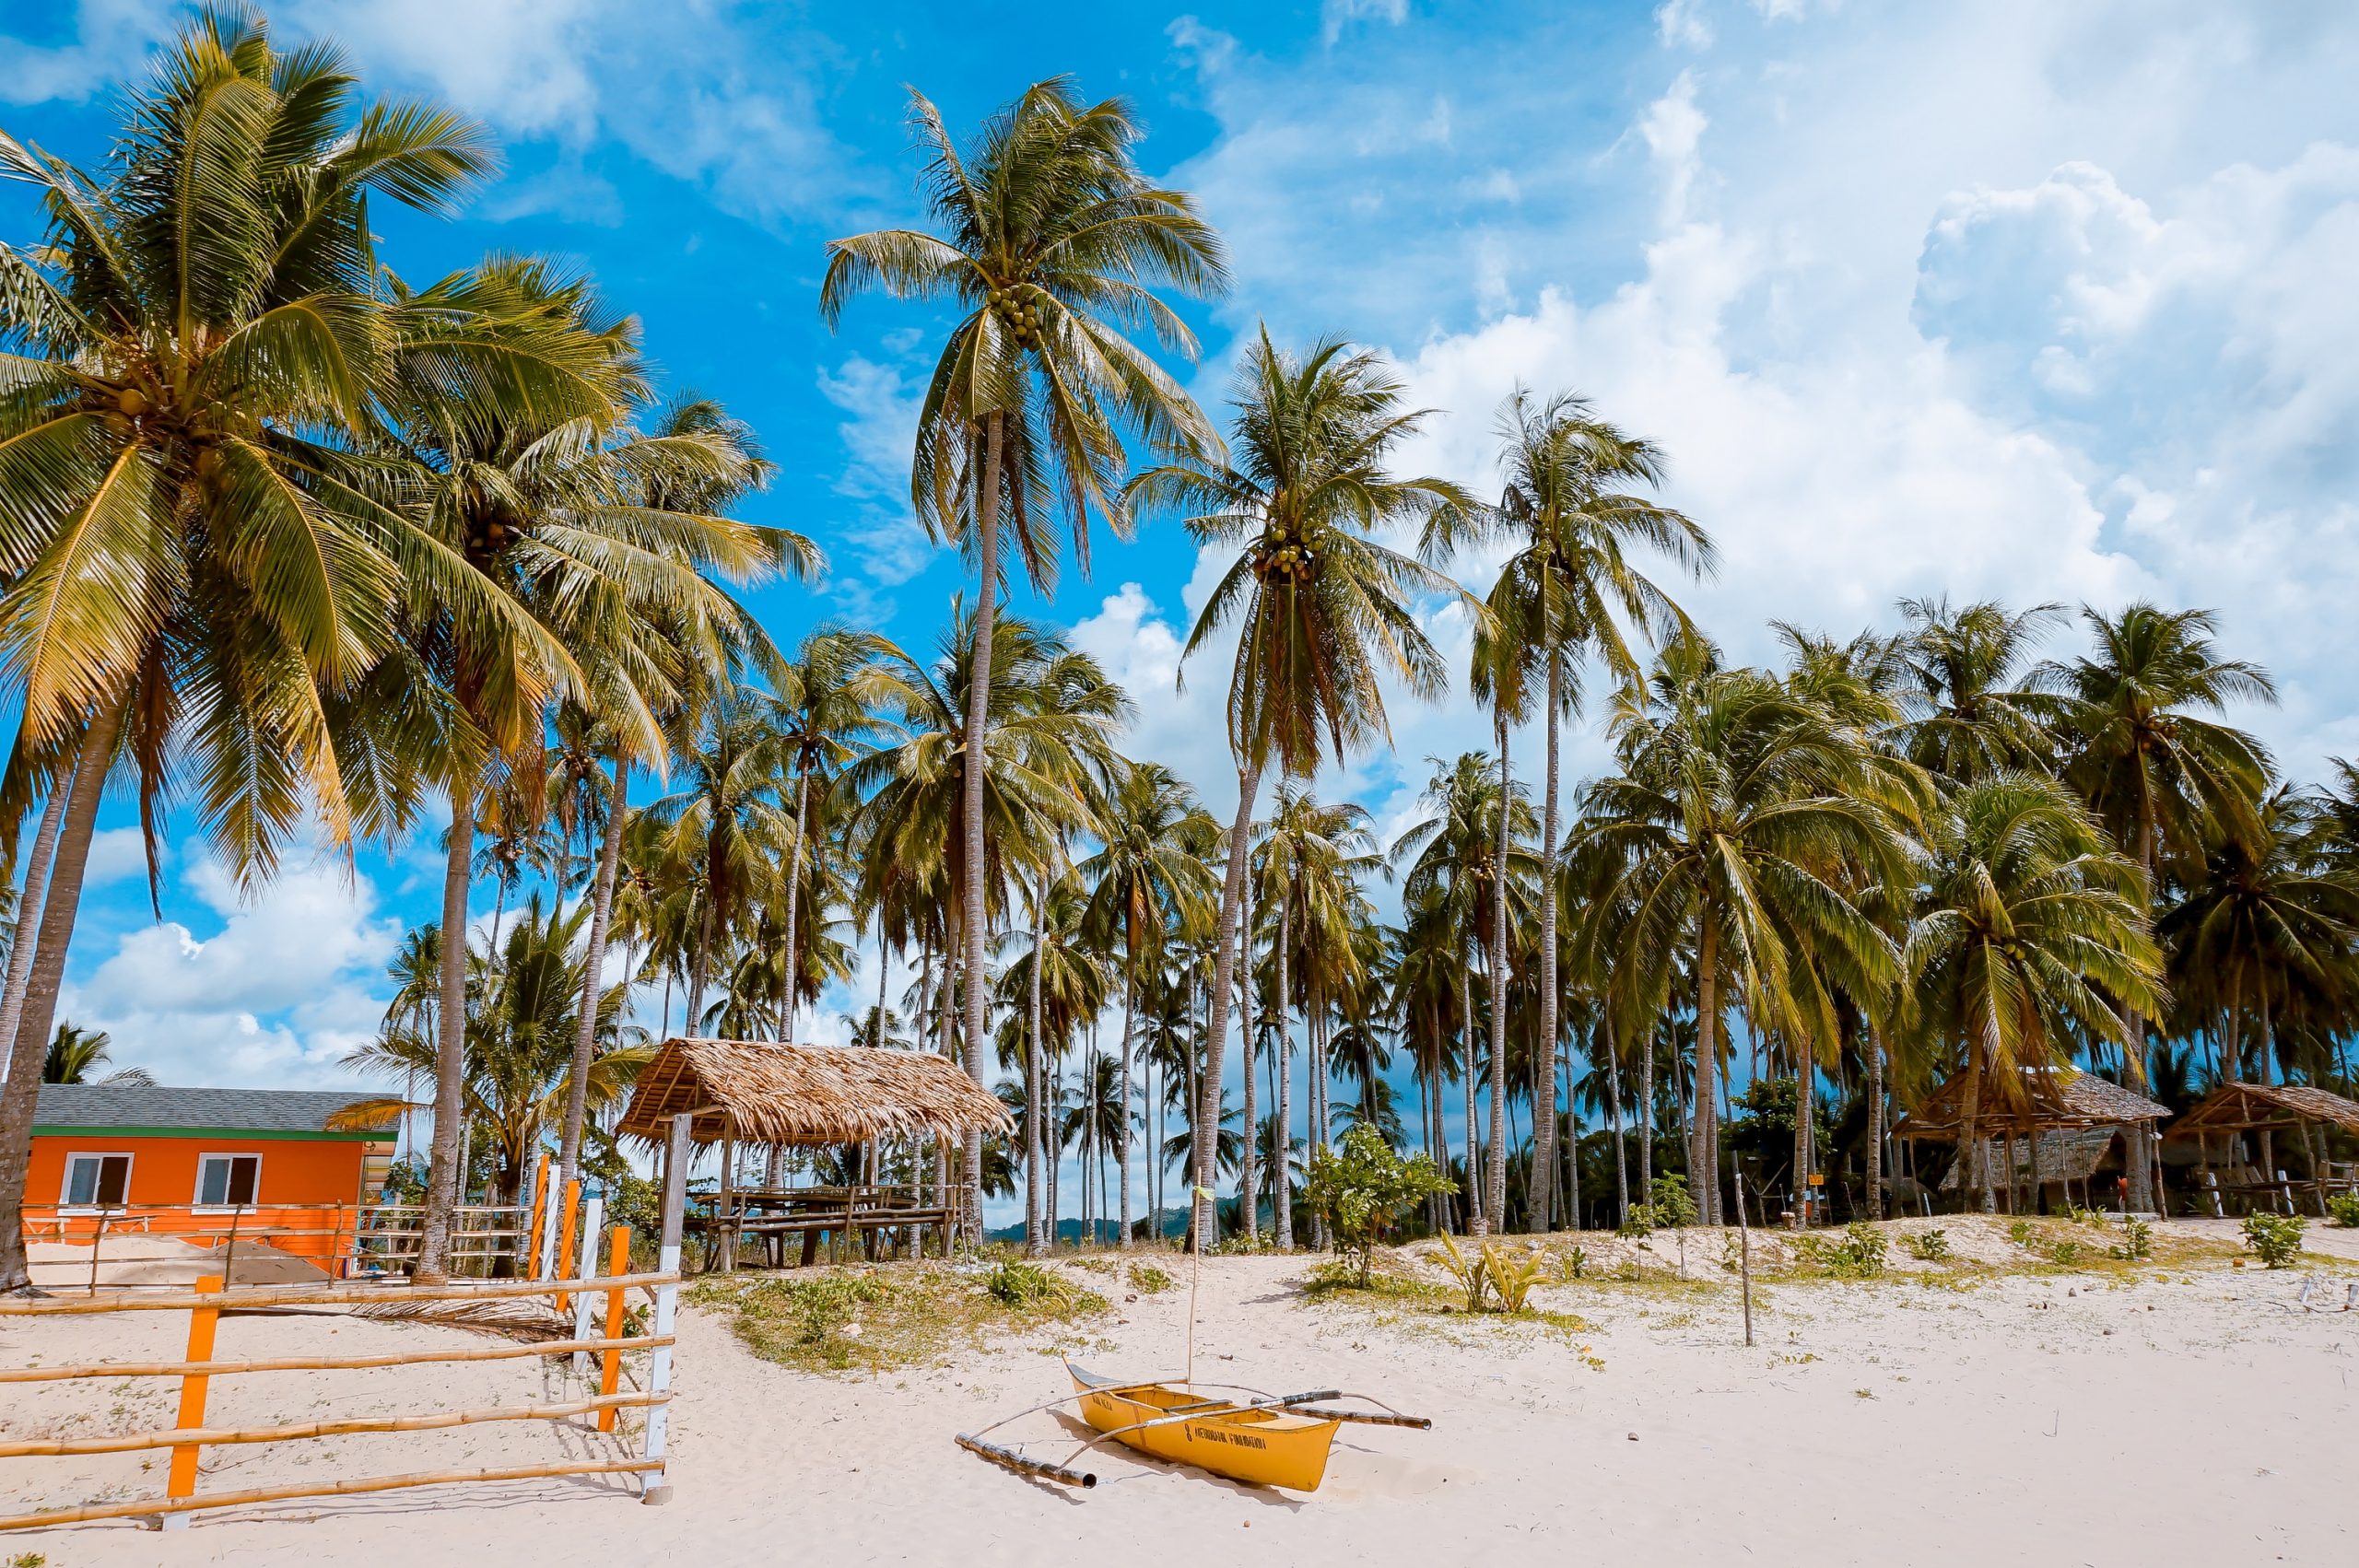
[256,1134]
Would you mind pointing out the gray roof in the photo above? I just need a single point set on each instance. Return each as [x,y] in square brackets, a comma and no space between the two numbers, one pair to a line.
[217,1110]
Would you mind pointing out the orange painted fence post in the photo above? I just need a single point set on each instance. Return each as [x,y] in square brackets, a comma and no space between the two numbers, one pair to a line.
[610,1371]
[565,1238]
[530,1257]
[201,1323]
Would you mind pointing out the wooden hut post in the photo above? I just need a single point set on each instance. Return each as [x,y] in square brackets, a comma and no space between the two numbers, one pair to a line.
[2039,1191]
[725,1211]
[182,1483]
[655,1489]
[2269,1162]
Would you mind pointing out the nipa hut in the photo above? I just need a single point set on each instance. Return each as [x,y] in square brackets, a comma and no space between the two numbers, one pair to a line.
[2218,1126]
[2061,1126]
[778,1095]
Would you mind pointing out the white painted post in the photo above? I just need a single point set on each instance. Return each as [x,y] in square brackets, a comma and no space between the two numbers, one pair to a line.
[545,1245]
[654,1486]
[594,1213]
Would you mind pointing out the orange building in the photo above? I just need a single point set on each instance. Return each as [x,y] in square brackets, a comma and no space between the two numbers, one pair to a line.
[188,1162]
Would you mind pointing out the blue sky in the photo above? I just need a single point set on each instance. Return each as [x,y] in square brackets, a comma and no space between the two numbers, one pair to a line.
[2049,302]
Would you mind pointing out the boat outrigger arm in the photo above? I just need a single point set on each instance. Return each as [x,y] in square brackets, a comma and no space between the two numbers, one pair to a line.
[1311,1404]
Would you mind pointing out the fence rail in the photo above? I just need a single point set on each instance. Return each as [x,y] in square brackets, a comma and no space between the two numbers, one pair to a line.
[344,1238]
[561,1269]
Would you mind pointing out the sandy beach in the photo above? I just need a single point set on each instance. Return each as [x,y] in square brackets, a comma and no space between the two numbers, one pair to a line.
[2196,1419]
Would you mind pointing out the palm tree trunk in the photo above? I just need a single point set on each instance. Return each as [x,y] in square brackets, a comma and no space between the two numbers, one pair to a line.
[699,962]
[793,898]
[1614,1109]
[443,1173]
[1281,1195]
[1703,1172]
[1474,1205]
[1249,1174]
[1545,1135]
[1130,1015]
[61,900]
[2232,1026]
[1032,1243]
[1974,1178]
[1804,1089]
[979,708]
[1232,899]
[2140,1134]
[28,908]
[1646,1118]
[585,1030]
[1495,1176]
[1876,1122]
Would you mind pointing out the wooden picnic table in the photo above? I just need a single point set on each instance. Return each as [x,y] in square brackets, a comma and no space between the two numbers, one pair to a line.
[774,1214]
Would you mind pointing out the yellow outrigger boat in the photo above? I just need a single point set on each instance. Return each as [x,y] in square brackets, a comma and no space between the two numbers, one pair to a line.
[1260,1439]
[1262,1446]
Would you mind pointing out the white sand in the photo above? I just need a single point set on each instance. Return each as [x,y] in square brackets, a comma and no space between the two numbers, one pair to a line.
[2048,1421]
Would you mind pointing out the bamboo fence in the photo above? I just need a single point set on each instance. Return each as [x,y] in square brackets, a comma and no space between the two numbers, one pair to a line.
[189,1435]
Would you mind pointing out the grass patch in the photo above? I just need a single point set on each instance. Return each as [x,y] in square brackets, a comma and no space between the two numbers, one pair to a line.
[884,1319]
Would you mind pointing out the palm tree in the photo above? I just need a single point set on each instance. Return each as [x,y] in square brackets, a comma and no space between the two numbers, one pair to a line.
[1143,880]
[2030,929]
[1053,241]
[1325,607]
[1969,687]
[608,571]
[1563,594]
[76,1052]
[193,554]
[826,711]
[2268,919]
[1739,806]
[2160,775]
[1047,739]
[1459,856]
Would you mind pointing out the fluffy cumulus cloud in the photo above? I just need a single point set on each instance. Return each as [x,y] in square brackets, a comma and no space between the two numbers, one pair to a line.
[2000,299]
[271,992]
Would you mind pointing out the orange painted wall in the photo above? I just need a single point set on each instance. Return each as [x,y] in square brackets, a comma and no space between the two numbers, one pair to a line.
[163,1174]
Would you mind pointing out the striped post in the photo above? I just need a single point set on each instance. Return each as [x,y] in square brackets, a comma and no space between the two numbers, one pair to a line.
[202,1321]
[594,1213]
[565,1239]
[610,1370]
[656,1490]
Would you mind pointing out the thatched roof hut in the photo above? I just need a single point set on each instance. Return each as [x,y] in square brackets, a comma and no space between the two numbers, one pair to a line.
[2048,1098]
[2241,1107]
[2065,1155]
[781,1094]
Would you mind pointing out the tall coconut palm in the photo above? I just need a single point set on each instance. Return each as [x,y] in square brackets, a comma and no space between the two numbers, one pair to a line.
[1971,687]
[2267,918]
[1323,608]
[2160,774]
[1048,737]
[2030,931]
[594,536]
[1053,242]
[1464,861]
[1145,880]
[1737,806]
[1566,595]
[827,710]
[196,566]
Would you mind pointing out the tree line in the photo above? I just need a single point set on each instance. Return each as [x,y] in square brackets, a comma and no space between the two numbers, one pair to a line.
[292,544]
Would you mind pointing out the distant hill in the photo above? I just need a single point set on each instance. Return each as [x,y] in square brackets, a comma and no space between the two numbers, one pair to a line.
[1069,1233]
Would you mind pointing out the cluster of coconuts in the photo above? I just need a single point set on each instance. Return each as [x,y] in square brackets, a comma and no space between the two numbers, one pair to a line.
[488,538]
[1288,560]
[1023,318]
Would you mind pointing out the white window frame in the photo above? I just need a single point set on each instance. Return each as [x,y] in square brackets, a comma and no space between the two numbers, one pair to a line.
[196,1199]
[66,1204]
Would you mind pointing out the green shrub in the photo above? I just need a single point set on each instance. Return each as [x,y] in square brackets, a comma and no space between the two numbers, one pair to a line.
[2065,1252]
[2343,1208]
[1669,1205]
[1021,1284]
[2137,1240]
[1859,1254]
[1362,1187]
[1929,1246]
[2277,1238]
[2020,1232]
[1148,1279]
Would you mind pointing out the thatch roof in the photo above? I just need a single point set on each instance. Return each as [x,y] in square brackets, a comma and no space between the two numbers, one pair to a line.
[2233,1108]
[2040,1097]
[2066,1153]
[802,1095]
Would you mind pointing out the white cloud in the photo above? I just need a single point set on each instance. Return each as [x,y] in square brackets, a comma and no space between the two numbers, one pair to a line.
[110,40]
[889,545]
[1335,16]
[1683,24]
[273,994]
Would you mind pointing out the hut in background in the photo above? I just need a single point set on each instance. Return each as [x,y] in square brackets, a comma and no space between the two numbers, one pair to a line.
[2233,1110]
[2062,1126]
[800,1097]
